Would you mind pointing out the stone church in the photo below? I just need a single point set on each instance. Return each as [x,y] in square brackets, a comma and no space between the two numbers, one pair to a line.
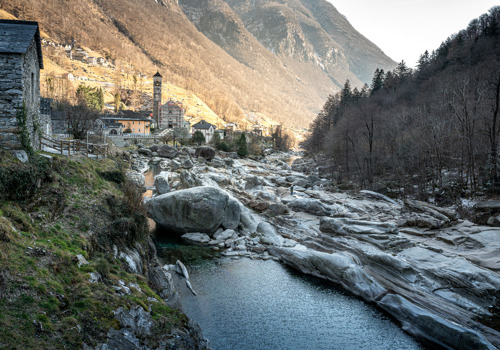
[171,114]
[20,64]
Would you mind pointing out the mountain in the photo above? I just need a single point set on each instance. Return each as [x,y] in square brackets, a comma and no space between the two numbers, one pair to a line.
[275,59]
[431,132]
[309,37]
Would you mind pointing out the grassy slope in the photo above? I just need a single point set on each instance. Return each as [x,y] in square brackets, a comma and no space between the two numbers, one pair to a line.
[46,300]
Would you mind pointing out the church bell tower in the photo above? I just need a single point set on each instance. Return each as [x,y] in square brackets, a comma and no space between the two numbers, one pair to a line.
[157,98]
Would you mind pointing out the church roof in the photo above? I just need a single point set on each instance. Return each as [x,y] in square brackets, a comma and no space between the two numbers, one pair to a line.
[203,125]
[157,74]
[16,36]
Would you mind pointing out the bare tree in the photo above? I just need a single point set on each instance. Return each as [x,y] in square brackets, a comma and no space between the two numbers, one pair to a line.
[80,119]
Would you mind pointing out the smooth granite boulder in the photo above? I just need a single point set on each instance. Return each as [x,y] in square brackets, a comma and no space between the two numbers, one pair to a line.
[198,209]
[167,151]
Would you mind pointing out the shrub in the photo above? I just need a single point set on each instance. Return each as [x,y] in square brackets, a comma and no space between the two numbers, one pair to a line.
[198,138]
[20,181]
[116,176]
[223,146]
[103,267]
[242,146]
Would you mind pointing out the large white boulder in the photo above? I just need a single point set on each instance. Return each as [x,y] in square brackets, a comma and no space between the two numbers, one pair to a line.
[198,209]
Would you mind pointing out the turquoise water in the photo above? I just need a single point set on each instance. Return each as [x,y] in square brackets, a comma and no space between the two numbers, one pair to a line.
[253,304]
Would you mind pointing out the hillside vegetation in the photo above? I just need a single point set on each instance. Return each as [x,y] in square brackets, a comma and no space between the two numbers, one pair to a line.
[156,35]
[433,131]
[51,211]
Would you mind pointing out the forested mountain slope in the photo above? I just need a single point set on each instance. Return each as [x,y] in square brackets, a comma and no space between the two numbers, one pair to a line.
[433,131]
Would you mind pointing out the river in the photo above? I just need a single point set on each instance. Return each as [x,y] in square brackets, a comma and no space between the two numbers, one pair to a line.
[249,304]
[254,304]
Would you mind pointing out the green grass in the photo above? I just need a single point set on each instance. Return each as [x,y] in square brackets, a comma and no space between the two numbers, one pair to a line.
[44,295]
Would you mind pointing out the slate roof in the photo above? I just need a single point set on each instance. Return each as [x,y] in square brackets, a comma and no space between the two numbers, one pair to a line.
[203,125]
[127,115]
[157,74]
[16,36]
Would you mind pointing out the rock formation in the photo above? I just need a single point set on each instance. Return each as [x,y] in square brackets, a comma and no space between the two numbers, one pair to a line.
[435,273]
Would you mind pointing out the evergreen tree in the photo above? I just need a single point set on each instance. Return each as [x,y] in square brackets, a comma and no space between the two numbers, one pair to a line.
[216,140]
[377,81]
[117,102]
[92,97]
[198,137]
[424,61]
[402,70]
[346,93]
[101,99]
[242,146]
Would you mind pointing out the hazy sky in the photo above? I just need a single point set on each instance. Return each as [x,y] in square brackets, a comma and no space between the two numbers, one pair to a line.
[404,29]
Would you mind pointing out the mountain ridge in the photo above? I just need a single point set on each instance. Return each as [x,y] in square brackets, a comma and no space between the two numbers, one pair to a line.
[157,35]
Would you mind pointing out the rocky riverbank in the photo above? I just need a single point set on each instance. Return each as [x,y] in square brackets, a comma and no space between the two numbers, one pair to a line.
[432,271]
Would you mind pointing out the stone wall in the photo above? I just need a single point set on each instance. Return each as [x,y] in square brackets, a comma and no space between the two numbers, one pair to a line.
[11,96]
[32,93]
[16,74]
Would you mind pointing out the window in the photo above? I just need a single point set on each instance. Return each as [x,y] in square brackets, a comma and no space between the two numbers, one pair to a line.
[32,86]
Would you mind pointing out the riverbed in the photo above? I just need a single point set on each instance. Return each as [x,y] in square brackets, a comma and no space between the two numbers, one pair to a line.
[255,304]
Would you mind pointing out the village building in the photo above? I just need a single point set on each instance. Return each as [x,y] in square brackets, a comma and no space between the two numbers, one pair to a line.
[20,64]
[230,127]
[206,129]
[112,127]
[101,61]
[258,130]
[78,55]
[172,115]
[221,134]
[68,76]
[133,123]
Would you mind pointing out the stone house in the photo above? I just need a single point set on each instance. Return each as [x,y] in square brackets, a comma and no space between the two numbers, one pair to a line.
[206,129]
[20,64]
[68,76]
[258,130]
[79,55]
[230,127]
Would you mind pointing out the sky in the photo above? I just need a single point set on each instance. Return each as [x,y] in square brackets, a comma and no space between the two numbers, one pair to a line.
[404,29]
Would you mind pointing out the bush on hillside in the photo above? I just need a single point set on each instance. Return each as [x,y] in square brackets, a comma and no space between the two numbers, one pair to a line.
[20,181]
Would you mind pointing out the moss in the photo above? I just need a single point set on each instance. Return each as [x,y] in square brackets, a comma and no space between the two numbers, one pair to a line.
[166,319]
[44,282]
[5,230]
[19,219]
[24,136]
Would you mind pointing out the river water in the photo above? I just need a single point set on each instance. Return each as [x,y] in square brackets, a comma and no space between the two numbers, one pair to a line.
[249,304]
[253,304]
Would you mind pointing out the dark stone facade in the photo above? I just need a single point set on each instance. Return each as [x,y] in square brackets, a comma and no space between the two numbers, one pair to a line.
[20,64]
